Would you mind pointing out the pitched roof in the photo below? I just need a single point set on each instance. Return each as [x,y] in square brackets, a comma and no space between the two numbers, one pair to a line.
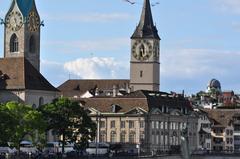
[222,117]
[19,73]
[25,6]
[72,88]
[105,104]
[146,28]
[138,99]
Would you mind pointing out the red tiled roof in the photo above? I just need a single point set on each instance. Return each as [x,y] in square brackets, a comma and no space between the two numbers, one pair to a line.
[222,117]
[72,88]
[142,99]
[18,73]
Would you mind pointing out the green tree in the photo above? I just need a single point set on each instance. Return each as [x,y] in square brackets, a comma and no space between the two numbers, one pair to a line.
[69,121]
[6,125]
[24,121]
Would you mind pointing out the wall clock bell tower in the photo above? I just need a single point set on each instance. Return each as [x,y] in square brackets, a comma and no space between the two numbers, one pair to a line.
[144,65]
[22,32]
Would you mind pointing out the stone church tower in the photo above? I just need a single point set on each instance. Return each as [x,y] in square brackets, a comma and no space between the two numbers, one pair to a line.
[144,65]
[22,32]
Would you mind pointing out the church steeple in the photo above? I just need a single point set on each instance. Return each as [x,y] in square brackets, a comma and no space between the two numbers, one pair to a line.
[22,32]
[146,27]
[145,53]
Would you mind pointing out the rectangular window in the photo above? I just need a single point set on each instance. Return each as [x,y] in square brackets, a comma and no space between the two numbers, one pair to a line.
[157,139]
[153,125]
[161,125]
[122,137]
[166,125]
[208,145]
[112,124]
[166,140]
[153,139]
[141,124]
[170,126]
[122,124]
[141,74]
[131,124]
[132,137]
[180,126]
[161,139]
[142,136]
[157,125]
[171,140]
[102,124]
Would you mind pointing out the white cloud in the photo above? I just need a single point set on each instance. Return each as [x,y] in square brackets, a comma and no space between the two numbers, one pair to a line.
[95,68]
[198,63]
[232,6]
[88,17]
[90,45]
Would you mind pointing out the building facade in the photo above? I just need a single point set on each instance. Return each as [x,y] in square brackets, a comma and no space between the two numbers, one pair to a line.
[204,140]
[151,121]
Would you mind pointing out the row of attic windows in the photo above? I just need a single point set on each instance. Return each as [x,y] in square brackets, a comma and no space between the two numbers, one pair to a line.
[14,44]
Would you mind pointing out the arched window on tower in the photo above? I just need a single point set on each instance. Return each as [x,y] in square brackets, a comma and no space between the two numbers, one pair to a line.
[32,44]
[14,43]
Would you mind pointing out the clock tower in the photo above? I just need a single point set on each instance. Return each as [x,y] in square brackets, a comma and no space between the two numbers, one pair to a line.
[22,32]
[144,65]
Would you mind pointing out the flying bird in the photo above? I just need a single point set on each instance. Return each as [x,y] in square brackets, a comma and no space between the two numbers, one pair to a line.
[154,4]
[130,2]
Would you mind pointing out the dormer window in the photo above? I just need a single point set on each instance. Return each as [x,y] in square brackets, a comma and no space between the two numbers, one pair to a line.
[14,43]
[115,108]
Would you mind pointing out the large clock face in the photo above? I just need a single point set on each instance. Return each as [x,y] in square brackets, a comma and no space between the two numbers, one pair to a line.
[33,22]
[14,20]
[142,50]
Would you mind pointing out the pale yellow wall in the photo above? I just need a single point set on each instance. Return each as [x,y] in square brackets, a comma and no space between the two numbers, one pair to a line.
[118,128]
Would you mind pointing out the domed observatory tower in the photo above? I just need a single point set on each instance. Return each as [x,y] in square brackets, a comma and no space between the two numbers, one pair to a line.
[214,87]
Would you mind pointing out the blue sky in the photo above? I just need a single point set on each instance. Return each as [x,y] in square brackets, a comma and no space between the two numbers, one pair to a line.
[91,39]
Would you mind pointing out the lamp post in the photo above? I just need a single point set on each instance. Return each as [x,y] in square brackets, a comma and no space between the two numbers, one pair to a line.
[98,131]
[185,142]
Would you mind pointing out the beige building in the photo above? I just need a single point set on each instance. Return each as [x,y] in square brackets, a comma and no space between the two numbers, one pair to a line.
[152,120]
[223,129]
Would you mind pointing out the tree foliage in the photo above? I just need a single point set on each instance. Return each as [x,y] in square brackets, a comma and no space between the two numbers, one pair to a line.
[69,120]
[18,121]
